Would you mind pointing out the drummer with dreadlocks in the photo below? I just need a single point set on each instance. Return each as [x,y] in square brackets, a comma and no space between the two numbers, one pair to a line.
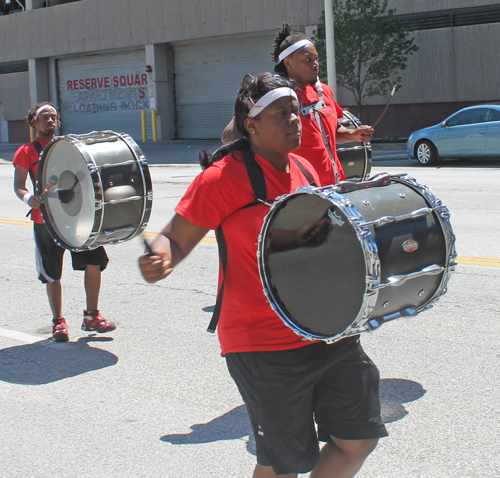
[296,58]
[44,119]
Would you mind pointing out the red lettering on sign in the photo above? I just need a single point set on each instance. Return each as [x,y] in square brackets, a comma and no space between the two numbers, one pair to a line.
[144,79]
[70,85]
[142,93]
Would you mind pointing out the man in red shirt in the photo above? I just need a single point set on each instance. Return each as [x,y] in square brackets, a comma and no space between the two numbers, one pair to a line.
[297,59]
[44,118]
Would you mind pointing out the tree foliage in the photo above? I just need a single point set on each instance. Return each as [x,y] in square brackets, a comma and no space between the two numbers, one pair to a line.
[372,47]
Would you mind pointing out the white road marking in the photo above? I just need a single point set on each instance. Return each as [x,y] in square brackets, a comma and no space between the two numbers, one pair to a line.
[22,337]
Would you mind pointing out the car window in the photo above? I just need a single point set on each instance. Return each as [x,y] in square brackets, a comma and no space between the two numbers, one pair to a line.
[478,115]
[494,115]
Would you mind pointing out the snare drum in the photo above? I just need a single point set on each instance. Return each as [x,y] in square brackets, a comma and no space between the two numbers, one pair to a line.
[101,191]
[355,156]
[340,260]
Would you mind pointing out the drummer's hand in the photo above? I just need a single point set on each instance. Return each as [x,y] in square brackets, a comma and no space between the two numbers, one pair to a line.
[154,267]
[35,202]
[363,133]
[313,233]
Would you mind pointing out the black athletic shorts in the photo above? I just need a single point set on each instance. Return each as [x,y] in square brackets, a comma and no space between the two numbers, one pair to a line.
[286,392]
[49,256]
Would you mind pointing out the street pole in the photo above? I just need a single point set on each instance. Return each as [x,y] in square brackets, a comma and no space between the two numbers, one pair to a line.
[330,47]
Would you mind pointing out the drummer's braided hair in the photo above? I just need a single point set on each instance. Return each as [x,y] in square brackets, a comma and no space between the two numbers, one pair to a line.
[286,36]
[32,112]
[252,88]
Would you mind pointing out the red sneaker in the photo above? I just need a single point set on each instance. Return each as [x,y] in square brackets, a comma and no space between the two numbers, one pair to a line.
[60,330]
[96,322]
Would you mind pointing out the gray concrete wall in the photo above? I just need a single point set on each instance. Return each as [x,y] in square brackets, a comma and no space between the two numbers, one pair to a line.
[405,7]
[452,65]
[96,25]
[15,95]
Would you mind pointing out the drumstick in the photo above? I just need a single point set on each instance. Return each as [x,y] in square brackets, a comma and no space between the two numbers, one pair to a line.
[148,247]
[52,182]
[386,106]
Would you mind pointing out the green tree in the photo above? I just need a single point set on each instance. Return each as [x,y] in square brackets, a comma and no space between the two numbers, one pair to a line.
[372,47]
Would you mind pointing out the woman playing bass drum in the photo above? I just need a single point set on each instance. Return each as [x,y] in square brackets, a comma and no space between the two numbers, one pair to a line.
[288,385]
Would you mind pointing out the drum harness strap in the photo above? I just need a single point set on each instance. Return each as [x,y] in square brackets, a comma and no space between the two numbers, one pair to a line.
[315,108]
[258,183]
[39,150]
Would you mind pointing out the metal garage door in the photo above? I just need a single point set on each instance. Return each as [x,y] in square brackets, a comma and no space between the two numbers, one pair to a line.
[99,92]
[207,77]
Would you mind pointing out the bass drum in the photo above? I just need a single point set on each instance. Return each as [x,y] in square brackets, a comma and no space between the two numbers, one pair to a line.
[98,189]
[340,260]
[355,157]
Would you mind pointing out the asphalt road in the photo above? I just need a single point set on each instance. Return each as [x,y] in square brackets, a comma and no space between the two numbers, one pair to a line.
[154,399]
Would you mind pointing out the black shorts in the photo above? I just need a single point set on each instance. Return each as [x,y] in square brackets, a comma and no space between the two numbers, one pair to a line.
[286,392]
[49,256]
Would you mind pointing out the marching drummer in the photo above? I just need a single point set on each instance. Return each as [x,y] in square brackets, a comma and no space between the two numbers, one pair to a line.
[288,384]
[296,58]
[44,118]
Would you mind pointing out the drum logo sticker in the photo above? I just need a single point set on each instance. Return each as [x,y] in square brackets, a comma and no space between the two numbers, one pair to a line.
[335,218]
[410,245]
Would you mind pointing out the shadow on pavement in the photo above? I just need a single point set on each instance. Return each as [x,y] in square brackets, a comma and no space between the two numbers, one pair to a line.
[232,425]
[394,392]
[236,425]
[46,361]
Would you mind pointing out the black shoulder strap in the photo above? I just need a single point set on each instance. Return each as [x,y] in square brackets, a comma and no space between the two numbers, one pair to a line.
[258,182]
[256,176]
[305,172]
[39,150]
[221,243]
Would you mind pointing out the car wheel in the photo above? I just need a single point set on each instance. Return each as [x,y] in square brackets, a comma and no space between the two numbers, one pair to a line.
[426,153]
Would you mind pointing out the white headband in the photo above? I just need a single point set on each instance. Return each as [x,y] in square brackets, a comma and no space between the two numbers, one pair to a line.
[42,108]
[268,98]
[294,47]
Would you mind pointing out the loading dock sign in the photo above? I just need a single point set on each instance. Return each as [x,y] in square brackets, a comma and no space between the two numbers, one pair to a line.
[96,84]
[93,95]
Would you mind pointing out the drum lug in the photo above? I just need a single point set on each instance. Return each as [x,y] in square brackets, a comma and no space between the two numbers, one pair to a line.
[377,322]
[398,280]
[385,220]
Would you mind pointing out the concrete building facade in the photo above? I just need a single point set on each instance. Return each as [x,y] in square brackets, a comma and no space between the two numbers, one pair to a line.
[102,62]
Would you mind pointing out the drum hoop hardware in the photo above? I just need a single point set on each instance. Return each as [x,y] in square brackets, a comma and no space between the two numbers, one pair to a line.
[116,201]
[146,180]
[396,281]
[113,165]
[386,220]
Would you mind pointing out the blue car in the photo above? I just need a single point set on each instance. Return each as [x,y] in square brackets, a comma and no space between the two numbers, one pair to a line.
[472,132]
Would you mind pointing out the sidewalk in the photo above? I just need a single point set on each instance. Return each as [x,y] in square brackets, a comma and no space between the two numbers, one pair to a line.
[186,151]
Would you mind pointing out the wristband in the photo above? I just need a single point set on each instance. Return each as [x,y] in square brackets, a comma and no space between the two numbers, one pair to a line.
[27,197]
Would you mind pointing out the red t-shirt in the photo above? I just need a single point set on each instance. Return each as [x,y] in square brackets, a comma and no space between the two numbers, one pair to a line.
[312,145]
[26,156]
[216,197]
